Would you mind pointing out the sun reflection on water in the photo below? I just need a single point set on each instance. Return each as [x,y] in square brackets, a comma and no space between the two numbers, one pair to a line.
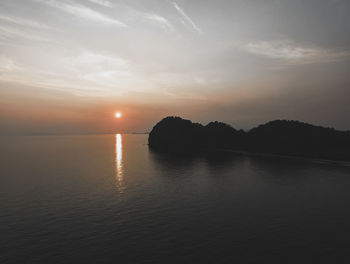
[119,161]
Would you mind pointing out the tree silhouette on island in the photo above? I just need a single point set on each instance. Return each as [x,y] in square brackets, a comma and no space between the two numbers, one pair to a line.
[280,137]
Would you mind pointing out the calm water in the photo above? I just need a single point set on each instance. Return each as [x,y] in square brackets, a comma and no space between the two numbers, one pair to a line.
[108,199]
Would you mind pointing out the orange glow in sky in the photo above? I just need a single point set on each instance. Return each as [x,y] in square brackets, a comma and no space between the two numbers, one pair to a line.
[118,115]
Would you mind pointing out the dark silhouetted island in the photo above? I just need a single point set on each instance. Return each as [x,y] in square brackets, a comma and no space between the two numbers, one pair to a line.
[279,137]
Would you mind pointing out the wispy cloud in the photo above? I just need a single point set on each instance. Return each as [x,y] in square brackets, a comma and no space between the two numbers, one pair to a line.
[187,19]
[82,12]
[7,65]
[97,70]
[89,60]
[295,53]
[82,74]
[22,22]
[279,50]
[102,2]
[160,21]
[8,33]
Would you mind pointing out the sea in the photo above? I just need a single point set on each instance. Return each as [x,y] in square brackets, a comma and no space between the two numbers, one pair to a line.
[110,199]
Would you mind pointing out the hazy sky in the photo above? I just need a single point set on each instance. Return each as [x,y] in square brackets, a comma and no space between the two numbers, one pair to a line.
[67,65]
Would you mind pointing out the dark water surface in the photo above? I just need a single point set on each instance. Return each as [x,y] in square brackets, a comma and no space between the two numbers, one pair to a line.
[108,199]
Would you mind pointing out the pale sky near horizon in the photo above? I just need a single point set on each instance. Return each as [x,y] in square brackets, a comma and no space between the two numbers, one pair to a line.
[66,66]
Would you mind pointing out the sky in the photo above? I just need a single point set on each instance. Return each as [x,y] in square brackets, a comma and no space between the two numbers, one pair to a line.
[66,66]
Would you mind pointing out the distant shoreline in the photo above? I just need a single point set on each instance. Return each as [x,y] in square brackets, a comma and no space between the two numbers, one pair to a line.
[80,134]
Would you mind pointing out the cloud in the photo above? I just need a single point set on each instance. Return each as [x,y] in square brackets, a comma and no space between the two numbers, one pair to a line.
[7,33]
[279,50]
[90,71]
[23,22]
[160,21]
[7,65]
[104,3]
[187,19]
[82,12]
[91,61]
[295,53]
[83,73]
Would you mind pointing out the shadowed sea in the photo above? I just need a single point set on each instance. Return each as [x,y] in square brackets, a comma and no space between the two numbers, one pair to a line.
[109,199]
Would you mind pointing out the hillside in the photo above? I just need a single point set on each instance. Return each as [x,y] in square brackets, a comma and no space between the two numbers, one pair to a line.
[174,134]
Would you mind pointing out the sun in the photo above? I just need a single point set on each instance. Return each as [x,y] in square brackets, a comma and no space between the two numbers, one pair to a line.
[118,114]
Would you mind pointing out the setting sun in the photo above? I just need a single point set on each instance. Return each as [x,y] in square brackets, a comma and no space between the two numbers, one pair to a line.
[118,115]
